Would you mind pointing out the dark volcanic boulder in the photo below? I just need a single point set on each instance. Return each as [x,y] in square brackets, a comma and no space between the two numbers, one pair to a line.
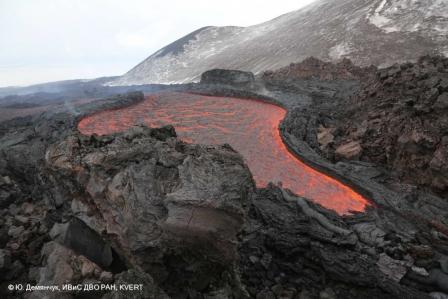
[221,76]
[163,204]
[315,68]
[82,239]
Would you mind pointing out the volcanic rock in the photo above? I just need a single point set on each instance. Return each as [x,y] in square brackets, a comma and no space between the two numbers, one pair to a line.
[397,121]
[231,77]
[9,192]
[438,295]
[63,266]
[303,235]
[157,198]
[28,208]
[57,270]
[313,68]
[77,236]
[5,259]
[442,101]
[394,269]
[325,137]
[350,150]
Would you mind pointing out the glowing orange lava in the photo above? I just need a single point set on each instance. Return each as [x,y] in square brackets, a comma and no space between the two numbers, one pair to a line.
[250,127]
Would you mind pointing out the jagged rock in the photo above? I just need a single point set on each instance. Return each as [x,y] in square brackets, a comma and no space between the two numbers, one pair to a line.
[158,198]
[5,180]
[349,151]
[420,271]
[266,294]
[442,101]
[295,240]
[62,265]
[88,268]
[301,124]
[439,165]
[57,270]
[21,219]
[77,236]
[221,76]
[438,295]
[28,208]
[5,259]
[5,199]
[13,209]
[394,269]
[266,260]
[324,137]
[327,294]
[223,293]
[315,68]
[370,234]
[15,231]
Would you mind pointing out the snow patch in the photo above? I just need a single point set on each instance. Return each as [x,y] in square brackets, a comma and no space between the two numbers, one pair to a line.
[339,51]
[411,16]
[381,21]
[380,7]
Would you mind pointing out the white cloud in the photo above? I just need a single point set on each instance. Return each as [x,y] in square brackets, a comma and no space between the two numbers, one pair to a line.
[59,39]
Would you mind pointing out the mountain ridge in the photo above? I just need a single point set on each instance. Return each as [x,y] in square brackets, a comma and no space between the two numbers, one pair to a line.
[369,32]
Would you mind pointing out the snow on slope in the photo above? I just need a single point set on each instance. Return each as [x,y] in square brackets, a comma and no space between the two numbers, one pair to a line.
[379,32]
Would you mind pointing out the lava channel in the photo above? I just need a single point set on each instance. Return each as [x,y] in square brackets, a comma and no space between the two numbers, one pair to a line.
[249,126]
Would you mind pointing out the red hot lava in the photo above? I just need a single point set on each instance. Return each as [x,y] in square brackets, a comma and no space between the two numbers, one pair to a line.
[250,127]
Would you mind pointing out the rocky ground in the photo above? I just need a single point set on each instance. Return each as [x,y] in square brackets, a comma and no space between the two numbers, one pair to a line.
[398,120]
[186,221]
[316,68]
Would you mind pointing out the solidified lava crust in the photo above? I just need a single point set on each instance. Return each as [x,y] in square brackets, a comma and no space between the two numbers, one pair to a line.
[249,126]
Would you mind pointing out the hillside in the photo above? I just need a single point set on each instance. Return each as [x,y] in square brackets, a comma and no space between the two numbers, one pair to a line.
[378,32]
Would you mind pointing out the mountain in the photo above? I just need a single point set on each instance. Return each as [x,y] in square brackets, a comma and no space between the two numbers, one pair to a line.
[378,32]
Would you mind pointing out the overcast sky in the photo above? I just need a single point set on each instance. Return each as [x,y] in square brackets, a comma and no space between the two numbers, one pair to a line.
[49,40]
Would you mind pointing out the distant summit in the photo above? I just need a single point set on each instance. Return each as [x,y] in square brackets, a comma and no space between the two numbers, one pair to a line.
[378,32]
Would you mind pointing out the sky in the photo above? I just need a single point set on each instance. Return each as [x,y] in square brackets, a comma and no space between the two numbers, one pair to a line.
[50,40]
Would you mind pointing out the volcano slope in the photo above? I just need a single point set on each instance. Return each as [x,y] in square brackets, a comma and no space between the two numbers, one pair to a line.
[187,221]
[369,32]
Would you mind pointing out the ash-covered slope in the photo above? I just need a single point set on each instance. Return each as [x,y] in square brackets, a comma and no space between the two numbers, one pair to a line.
[379,32]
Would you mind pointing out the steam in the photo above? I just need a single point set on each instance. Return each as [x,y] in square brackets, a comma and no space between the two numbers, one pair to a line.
[71,108]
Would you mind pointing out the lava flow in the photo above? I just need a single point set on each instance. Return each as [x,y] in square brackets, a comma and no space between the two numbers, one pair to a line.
[249,126]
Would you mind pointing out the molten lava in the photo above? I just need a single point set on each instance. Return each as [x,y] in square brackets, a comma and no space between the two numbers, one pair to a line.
[250,127]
